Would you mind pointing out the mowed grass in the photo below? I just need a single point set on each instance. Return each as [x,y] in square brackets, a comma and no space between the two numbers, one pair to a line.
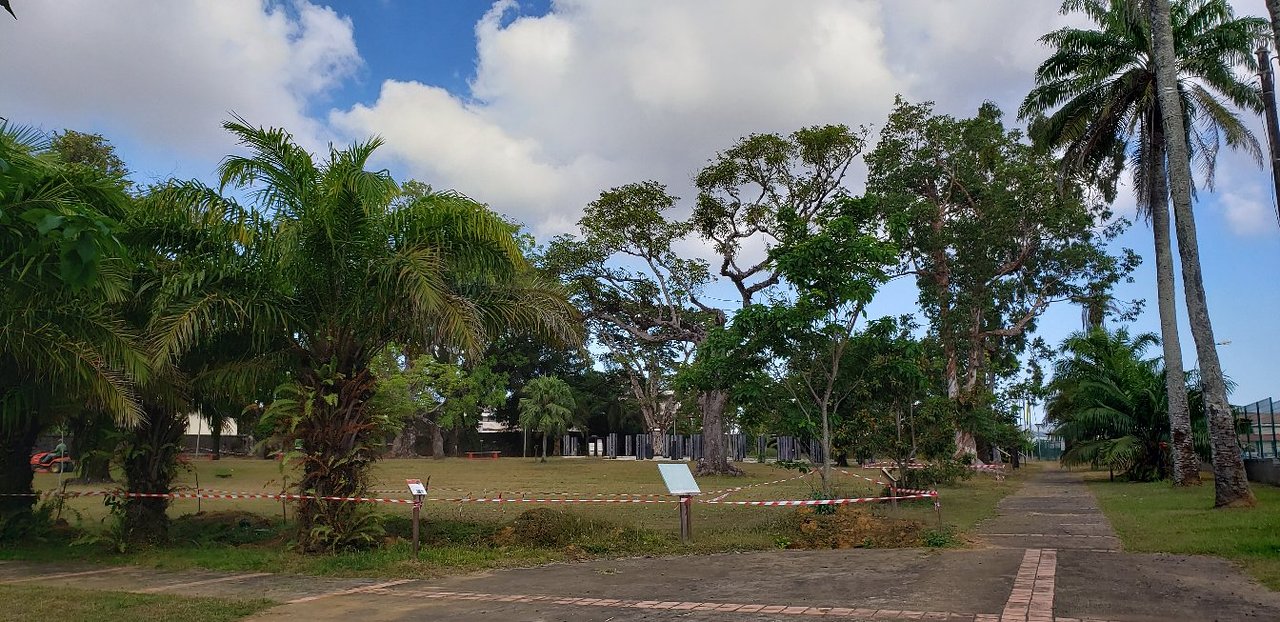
[27,603]
[463,536]
[1158,518]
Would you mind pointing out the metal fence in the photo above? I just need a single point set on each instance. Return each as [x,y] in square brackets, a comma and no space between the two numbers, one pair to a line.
[1261,441]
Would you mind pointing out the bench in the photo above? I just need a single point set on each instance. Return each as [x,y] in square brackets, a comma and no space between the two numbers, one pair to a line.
[490,455]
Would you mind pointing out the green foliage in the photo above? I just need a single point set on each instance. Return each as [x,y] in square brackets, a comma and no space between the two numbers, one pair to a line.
[63,274]
[448,394]
[941,537]
[1108,403]
[992,235]
[548,408]
[91,150]
[937,473]
[358,264]
[1101,80]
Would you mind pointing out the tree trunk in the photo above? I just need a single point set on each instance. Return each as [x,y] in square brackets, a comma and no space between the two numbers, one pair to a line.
[150,465]
[1273,8]
[16,440]
[337,439]
[544,447]
[714,462]
[1230,486]
[826,450]
[215,437]
[404,445]
[437,441]
[91,448]
[1186,464]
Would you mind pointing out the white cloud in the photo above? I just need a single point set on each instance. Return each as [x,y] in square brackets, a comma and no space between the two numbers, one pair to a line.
[593,95]
[1247,215]
[163,75]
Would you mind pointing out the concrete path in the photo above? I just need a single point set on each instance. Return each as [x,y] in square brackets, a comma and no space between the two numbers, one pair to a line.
[1049,555]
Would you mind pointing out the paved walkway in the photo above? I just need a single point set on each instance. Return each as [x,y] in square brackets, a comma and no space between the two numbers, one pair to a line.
[1049,555]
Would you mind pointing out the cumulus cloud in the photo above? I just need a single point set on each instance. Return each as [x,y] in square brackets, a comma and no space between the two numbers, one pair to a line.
[1248,214]
[593,95]
[162,75]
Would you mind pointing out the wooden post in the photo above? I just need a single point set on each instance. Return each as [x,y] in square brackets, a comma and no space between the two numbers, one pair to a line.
[417,517]
[686,520]
[937,510]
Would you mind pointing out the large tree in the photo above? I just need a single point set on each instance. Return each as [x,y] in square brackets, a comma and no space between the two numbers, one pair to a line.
[747,195]
[203,305]
[63,274]
[627,278]
[991,236]
[356,270]
[1099,90]
[1231,488]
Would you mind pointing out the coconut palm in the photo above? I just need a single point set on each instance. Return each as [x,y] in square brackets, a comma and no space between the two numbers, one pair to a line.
[63,346]
[1099,88]
[355,268]
[1230,486]
[549,408]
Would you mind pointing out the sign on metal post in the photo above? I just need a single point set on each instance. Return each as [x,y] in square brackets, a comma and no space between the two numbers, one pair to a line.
[419,492]
[680,482]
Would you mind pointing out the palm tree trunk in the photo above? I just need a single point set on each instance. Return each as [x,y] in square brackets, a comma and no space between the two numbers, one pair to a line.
[150,465]
[16,439]
[1230,486]
[544,446]
[1273,8]
[215,436]
[1186,464]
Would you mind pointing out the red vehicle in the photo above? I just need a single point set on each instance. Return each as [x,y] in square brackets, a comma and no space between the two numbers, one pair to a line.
[47,462]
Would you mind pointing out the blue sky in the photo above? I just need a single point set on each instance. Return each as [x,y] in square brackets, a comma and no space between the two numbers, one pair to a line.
[535,107]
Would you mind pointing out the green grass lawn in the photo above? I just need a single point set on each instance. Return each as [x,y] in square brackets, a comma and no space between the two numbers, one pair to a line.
[462,537]
[28,603]
[1155,517]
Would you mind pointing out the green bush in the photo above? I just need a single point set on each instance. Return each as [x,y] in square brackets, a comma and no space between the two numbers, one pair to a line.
[937,474]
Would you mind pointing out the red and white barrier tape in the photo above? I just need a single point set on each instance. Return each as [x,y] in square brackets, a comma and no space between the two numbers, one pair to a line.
[549,500]
[728,491]
[929,495]
[538,493]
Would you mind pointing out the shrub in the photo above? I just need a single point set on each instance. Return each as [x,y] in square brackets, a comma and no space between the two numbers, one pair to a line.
[850,527]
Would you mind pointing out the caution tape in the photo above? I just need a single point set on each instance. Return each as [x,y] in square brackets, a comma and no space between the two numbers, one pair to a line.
[728,491]
[804,502]
[549,500]
[539,492]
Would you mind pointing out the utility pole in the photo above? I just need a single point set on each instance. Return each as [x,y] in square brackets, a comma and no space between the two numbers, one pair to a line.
[1273,132]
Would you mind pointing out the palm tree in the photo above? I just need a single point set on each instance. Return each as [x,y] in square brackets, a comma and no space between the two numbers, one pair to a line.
[1109,404]
[549,408]
[200,306]
[1230,486]
[1102,83]
[63,346]
[356,268]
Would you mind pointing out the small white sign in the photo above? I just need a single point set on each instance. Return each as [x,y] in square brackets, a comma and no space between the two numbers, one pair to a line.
[416,487]
[678,479]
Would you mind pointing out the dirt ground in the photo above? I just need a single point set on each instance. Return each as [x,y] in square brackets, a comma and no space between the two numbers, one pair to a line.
[1049,554]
